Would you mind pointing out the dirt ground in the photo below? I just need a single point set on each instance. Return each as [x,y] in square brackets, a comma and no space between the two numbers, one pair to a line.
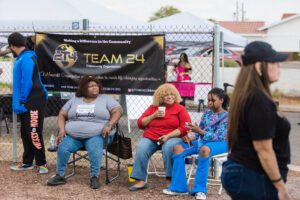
[30,185]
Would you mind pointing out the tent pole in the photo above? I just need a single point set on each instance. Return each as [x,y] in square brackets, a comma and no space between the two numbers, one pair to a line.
[216,81]
[222,56]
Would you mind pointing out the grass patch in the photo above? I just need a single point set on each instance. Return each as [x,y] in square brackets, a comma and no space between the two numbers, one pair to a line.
[230,63]
[6,59]
[5,85]
[276,94]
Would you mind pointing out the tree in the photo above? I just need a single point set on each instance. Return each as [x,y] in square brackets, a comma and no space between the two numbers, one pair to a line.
[164,11]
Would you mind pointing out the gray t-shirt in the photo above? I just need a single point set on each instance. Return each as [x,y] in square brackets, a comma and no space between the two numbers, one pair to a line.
[88,119]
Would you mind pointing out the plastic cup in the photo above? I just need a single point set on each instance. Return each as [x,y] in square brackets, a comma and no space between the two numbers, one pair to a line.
[129,170]
[162,109]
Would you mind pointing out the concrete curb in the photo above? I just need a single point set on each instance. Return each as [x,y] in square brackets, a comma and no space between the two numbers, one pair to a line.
[294,168]
[289,108]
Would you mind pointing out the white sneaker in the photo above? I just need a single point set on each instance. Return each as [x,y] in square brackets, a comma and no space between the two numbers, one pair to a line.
[200,196]
[170,192]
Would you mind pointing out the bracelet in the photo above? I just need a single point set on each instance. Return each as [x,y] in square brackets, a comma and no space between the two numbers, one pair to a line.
[276,180]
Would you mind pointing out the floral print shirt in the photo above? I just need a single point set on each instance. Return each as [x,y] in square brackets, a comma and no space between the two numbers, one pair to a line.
[214,126]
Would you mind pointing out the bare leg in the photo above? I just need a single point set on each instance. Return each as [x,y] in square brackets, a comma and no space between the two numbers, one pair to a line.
[204,152]
[139,183]
[178,149]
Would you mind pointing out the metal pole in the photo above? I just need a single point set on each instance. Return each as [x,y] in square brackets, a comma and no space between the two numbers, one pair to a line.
[216,81]
[14,152]
[222,56]
[14,136]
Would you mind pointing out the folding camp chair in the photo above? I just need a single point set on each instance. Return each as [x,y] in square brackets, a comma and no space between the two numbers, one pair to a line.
[5,110]
[214,171]
[154,167]
[117,160]
[3,117]
[81,154]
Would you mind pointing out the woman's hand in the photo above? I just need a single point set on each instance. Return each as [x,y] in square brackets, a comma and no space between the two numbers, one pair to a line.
[194,128]
[163,138]
[188,139]
[60,136]
[158,113]
[283,194]
[106,130]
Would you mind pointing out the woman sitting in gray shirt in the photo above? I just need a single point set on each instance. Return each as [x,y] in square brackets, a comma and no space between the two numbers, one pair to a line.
[84,121]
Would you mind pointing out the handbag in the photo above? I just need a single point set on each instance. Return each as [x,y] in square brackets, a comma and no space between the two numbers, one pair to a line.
[120,145]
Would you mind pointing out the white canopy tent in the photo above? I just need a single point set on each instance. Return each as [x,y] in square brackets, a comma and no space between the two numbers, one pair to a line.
[58,14]
[186,22]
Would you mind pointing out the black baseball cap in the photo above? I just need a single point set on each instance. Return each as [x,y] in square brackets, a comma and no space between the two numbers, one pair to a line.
[259,51]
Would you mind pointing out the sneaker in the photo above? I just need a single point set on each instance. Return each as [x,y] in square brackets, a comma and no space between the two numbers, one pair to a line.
[95,182]
[170,192]
[200,196]
[21,167]
[56,180]
[43,169]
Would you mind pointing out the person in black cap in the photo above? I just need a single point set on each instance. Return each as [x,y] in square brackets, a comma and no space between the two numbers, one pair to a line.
[258,135]
[29,101]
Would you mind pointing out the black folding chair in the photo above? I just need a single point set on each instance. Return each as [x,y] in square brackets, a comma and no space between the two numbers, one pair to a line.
[76,156]
[5,110]
[117,160]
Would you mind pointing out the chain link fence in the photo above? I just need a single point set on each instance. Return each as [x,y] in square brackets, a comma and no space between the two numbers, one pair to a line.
[194,41]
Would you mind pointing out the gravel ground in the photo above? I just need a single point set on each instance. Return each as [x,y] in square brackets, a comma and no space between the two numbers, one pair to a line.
[30,185]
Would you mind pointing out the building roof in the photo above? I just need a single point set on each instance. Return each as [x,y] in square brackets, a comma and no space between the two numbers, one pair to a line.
[284,20]
[246,27]
[287,15]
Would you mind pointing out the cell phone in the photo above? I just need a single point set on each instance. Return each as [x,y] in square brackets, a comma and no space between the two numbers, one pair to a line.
[187,124]
[159,142]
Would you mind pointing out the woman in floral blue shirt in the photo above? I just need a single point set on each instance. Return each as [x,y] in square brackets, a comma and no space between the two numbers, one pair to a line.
[209,139]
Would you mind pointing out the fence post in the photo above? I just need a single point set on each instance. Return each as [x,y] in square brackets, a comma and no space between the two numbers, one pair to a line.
[216,81]
[14,152]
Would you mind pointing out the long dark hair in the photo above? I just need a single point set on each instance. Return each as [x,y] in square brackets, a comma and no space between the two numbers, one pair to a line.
[185,58]
[247,82]
[220,93]
[82,90]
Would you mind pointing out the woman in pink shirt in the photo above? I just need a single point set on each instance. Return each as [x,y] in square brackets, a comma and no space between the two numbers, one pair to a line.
[183,69]
[163,123]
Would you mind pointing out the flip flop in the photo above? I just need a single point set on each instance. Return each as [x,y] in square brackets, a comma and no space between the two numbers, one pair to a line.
[133,188]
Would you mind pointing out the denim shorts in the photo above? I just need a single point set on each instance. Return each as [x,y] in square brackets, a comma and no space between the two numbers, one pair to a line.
[242,183]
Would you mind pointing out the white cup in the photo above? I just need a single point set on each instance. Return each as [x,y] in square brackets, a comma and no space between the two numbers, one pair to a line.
[162,109]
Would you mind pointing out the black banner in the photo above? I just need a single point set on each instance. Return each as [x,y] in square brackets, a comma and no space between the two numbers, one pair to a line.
[124,64]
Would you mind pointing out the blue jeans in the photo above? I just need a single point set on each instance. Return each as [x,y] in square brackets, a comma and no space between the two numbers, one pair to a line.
[179,182]
[69,144]
[241,182]
[144,151]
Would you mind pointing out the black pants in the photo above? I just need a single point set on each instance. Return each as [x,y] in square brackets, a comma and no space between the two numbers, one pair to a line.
[31,132]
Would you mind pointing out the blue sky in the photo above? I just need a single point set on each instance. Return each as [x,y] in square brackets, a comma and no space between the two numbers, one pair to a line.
[262,10]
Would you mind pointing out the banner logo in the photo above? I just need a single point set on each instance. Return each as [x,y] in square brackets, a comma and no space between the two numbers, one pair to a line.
[65,56]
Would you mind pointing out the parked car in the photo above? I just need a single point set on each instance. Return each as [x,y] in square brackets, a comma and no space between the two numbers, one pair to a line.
[169,49]
[228,54]
[190,51]
[175,54]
